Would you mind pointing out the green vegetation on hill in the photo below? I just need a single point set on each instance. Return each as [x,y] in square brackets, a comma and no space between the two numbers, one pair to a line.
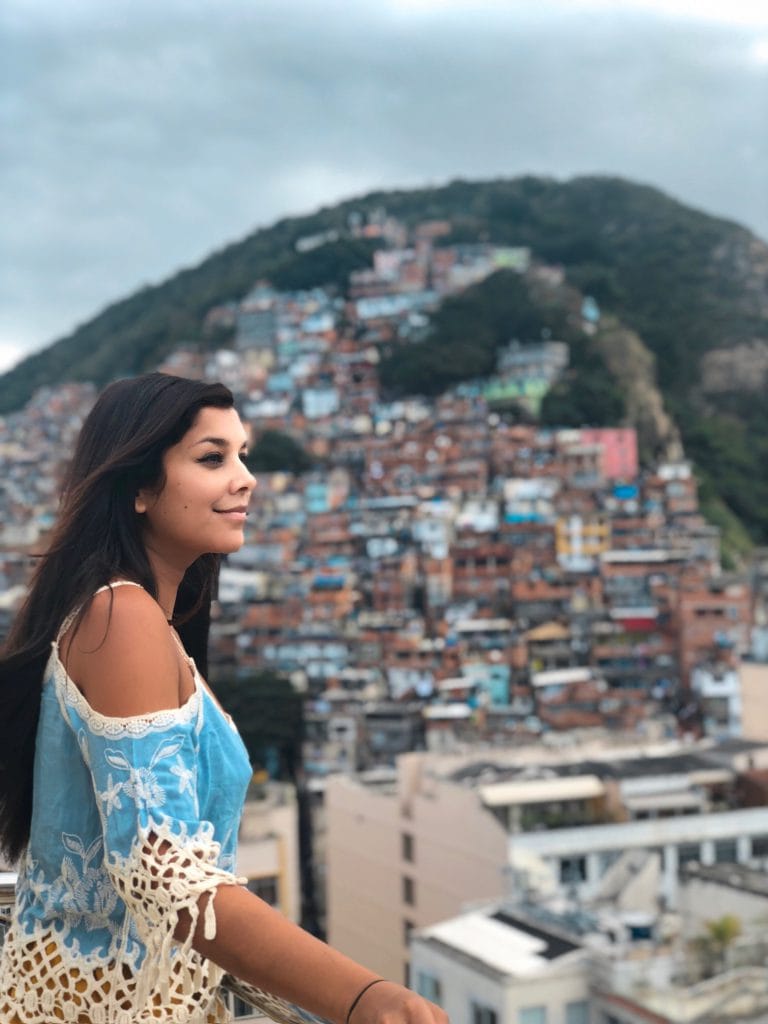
[278,452]
[329,264]
[135,334]
[587,395]
[732,459]
[684,281]
[467,332]
[464,337]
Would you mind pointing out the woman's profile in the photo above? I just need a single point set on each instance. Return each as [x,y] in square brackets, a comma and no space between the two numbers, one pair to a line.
[121,778]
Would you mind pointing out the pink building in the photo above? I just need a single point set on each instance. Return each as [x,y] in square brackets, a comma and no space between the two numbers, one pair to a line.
[619,459]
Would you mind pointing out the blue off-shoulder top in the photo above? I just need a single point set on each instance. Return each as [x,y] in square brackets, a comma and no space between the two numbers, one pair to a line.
[134,822]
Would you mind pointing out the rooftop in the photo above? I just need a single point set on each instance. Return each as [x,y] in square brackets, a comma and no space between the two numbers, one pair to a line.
[536,791]
[511,947]
[734,876]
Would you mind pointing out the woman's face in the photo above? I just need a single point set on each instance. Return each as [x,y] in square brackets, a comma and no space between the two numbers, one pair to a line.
[201,507]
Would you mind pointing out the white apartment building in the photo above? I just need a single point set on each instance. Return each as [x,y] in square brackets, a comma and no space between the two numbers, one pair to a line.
[597,822]
[538,965]
[719,689]
[579,859]
[489,967]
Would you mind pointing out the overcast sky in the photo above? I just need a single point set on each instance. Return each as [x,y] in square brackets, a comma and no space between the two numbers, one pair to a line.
[138,136]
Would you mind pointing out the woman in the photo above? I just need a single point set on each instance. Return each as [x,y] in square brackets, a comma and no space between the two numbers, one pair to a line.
[122,780]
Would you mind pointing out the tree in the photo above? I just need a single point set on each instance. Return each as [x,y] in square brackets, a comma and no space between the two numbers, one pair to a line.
[329,264]
[270,717]
[583,399]
[466,333]
[275,451]
[713,944]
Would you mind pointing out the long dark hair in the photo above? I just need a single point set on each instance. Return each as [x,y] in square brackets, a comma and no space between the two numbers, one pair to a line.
[97,538]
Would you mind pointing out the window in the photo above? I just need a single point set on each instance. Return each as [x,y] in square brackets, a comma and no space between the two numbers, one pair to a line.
[266,888]
[725,851]
[483,1014]
[573,869]
[687,852]
[429,986]
[409,891]
[407,845]
[532,1015]
[408,927]
[577,1013]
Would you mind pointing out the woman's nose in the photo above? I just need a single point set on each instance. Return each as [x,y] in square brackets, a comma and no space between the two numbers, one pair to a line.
[245,480]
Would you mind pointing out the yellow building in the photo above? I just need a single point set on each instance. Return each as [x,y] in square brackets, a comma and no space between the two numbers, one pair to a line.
[577,537]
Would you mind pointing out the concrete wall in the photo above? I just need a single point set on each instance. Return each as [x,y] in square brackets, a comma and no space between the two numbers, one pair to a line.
[703,900]
[362,877]
[754,700]
[459,857]
[268,845]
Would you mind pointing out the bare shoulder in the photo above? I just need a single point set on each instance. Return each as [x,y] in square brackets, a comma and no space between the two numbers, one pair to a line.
[122,655]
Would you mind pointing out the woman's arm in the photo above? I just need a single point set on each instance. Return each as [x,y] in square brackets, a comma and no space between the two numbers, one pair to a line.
[256,943]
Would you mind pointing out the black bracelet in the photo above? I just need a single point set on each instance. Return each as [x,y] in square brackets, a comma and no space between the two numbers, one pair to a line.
[360,995]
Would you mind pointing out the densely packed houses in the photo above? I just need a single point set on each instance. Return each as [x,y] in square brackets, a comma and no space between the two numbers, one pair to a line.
[508,579]
[468,601]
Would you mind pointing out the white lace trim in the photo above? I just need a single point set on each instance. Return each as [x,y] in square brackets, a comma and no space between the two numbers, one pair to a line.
[167,875]
[106,725]
[68,693]
[42,982]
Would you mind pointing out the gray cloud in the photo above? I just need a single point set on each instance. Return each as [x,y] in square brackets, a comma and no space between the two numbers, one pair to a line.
[140,136]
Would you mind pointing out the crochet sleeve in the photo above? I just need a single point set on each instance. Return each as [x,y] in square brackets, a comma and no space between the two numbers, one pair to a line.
[160,855]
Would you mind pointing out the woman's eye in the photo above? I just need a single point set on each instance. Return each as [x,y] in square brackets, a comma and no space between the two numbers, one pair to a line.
[212,459]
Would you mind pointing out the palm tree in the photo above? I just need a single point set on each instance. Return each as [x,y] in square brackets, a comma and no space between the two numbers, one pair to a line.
[713,944]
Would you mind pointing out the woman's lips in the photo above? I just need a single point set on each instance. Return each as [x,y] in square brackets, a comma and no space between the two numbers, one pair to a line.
[236,515]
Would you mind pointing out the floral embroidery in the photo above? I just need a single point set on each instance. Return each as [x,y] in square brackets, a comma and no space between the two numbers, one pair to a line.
[142,785]
[83,889]
[111,796]
[186,776]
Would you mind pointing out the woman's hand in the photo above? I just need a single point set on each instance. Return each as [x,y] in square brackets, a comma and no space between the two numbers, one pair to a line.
[258,944]
[386,1002]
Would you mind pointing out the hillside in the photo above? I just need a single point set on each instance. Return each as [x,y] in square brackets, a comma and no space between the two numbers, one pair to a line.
[690,288]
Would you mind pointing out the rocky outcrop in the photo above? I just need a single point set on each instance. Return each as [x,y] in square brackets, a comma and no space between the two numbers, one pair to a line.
[634,367]
[628,359]
[739,262]
[740,368]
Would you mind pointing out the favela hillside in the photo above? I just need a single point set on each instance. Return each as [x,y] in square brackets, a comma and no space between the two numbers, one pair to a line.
[691,289]
[500,623]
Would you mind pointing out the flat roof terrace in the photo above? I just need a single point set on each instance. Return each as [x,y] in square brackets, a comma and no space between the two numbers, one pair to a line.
[653,834]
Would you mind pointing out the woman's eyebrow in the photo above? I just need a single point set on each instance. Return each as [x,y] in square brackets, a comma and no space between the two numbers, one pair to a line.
[220,442]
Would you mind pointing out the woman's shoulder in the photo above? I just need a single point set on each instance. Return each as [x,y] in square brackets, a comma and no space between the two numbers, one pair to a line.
[122,655]
[117,612]
[126,592]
